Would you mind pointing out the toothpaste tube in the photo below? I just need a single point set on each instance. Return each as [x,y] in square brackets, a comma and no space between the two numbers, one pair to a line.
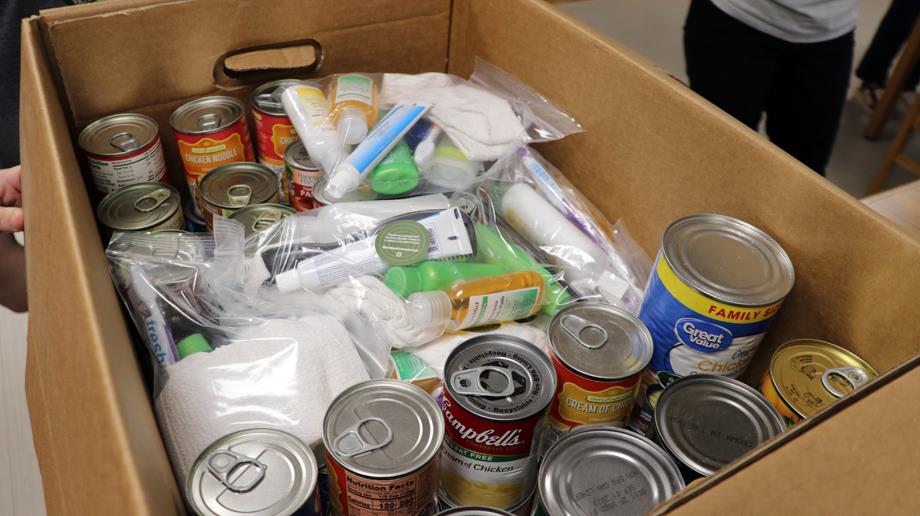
[155,329]
[449,236]
[382,138]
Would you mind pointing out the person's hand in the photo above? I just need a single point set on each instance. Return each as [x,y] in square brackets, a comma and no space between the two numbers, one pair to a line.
[11,218]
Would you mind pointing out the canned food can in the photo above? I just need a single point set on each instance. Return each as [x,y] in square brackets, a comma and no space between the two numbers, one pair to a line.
[301,174]
[123,150]
[259,217]
[230,187]
[193,221]
[382,439]
[256,472]
[716,285]
[497,389]
[274,131]
[599,352]
[210,132]
[807,375]
[706,421]
[605,470]
[141,207]
[523,509]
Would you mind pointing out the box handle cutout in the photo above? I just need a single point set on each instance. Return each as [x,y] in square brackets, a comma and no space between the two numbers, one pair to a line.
[267,62]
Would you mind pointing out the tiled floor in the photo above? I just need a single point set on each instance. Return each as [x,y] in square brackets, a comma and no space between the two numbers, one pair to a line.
[652,27]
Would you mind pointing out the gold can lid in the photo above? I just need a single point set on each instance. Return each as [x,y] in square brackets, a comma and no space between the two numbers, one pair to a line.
[811,374]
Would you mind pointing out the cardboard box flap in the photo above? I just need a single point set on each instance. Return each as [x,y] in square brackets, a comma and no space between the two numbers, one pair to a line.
[91,415]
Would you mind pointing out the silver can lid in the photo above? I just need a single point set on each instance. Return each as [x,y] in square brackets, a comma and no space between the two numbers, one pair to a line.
[728,260]
[138,206]
[260,217]
[267,97]
[600,341]
[473,511]
[296,156]
[606,470]
[383,429]
[707,421]
[238,184]
[500,377]
[257,472]
[206,115]
[117,135]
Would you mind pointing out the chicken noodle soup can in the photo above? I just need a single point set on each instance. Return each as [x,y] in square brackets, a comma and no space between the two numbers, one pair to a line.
[237,185]
[605,470]
[259,217]
[497,388]
[123,150]
[706,421]
[301,175]
[716,285]
[210,132]
[382,439]
[807,375]
[274,131]
[599,352]
[141,207]
[255,472]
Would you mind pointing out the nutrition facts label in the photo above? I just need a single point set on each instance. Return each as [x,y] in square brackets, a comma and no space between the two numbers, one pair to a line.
[111,174]
[407,496]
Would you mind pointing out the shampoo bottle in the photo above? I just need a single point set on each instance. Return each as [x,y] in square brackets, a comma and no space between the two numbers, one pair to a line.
[354,106]
[478,302]
[432,275]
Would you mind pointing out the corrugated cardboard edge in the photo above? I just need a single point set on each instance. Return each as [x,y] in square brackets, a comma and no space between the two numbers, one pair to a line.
[58,358]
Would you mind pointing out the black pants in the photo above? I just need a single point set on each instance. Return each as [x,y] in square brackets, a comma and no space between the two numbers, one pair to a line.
[800,86]
[889,37]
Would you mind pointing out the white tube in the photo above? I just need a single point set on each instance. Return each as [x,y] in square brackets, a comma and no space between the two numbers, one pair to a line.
[541,224]
[448,238]
[306,106]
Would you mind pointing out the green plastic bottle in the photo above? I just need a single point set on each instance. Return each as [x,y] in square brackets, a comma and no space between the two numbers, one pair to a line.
[493,249]
[194,343]
[397,173]
[434,275]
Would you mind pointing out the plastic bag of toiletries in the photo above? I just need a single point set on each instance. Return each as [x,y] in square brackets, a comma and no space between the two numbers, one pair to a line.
[531,196]
[226,361]
[404,271]
[436,133]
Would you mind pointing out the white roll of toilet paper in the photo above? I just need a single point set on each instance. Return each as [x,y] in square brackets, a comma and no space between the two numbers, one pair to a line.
[282,374]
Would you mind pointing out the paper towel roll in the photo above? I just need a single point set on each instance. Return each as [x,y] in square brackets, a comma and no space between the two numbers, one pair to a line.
[281,374]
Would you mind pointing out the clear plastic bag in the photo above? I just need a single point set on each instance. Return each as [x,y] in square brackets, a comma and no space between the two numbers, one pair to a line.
[532,197]
[227,361]
[437,134]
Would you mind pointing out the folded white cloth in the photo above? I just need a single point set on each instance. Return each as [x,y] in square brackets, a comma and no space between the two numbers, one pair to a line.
[480,123]
[282,374]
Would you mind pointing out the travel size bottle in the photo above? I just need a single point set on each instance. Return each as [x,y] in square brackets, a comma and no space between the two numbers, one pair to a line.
[434,275]
[354,106]
[478,302]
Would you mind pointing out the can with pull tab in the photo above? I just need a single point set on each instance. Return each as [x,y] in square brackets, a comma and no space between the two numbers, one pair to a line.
[123,150]
[274,131]
[232,187]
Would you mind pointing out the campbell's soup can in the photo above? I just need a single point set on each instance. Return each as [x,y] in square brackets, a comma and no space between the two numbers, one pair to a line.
[716,285]
[523,509]
[274,131]
[123,150]
[229,188]
[210,132]
[141,207]
[599,352]
[808,375]
[382,439]
[301,175]
[255,472]
[497,388]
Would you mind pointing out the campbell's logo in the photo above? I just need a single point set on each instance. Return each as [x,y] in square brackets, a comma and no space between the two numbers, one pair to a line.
[487,437]
[702,336]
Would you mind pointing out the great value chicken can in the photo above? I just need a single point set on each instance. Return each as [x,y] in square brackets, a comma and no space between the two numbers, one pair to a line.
[497,388]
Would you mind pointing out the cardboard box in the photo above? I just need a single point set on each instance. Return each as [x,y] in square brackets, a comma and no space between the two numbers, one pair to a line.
[653,151]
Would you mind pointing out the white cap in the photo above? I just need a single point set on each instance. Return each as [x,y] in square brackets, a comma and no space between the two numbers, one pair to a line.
[453,173]
[288,281]
[352,126]
[427,309]
[345,179]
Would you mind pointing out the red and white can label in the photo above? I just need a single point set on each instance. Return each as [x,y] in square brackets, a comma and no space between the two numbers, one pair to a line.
[485,462]
[354,495]
[301,183]
[202,153]
[143,165]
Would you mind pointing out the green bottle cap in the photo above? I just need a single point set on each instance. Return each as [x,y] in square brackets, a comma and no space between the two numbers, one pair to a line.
[403,280]
[194,343]
[397,173]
